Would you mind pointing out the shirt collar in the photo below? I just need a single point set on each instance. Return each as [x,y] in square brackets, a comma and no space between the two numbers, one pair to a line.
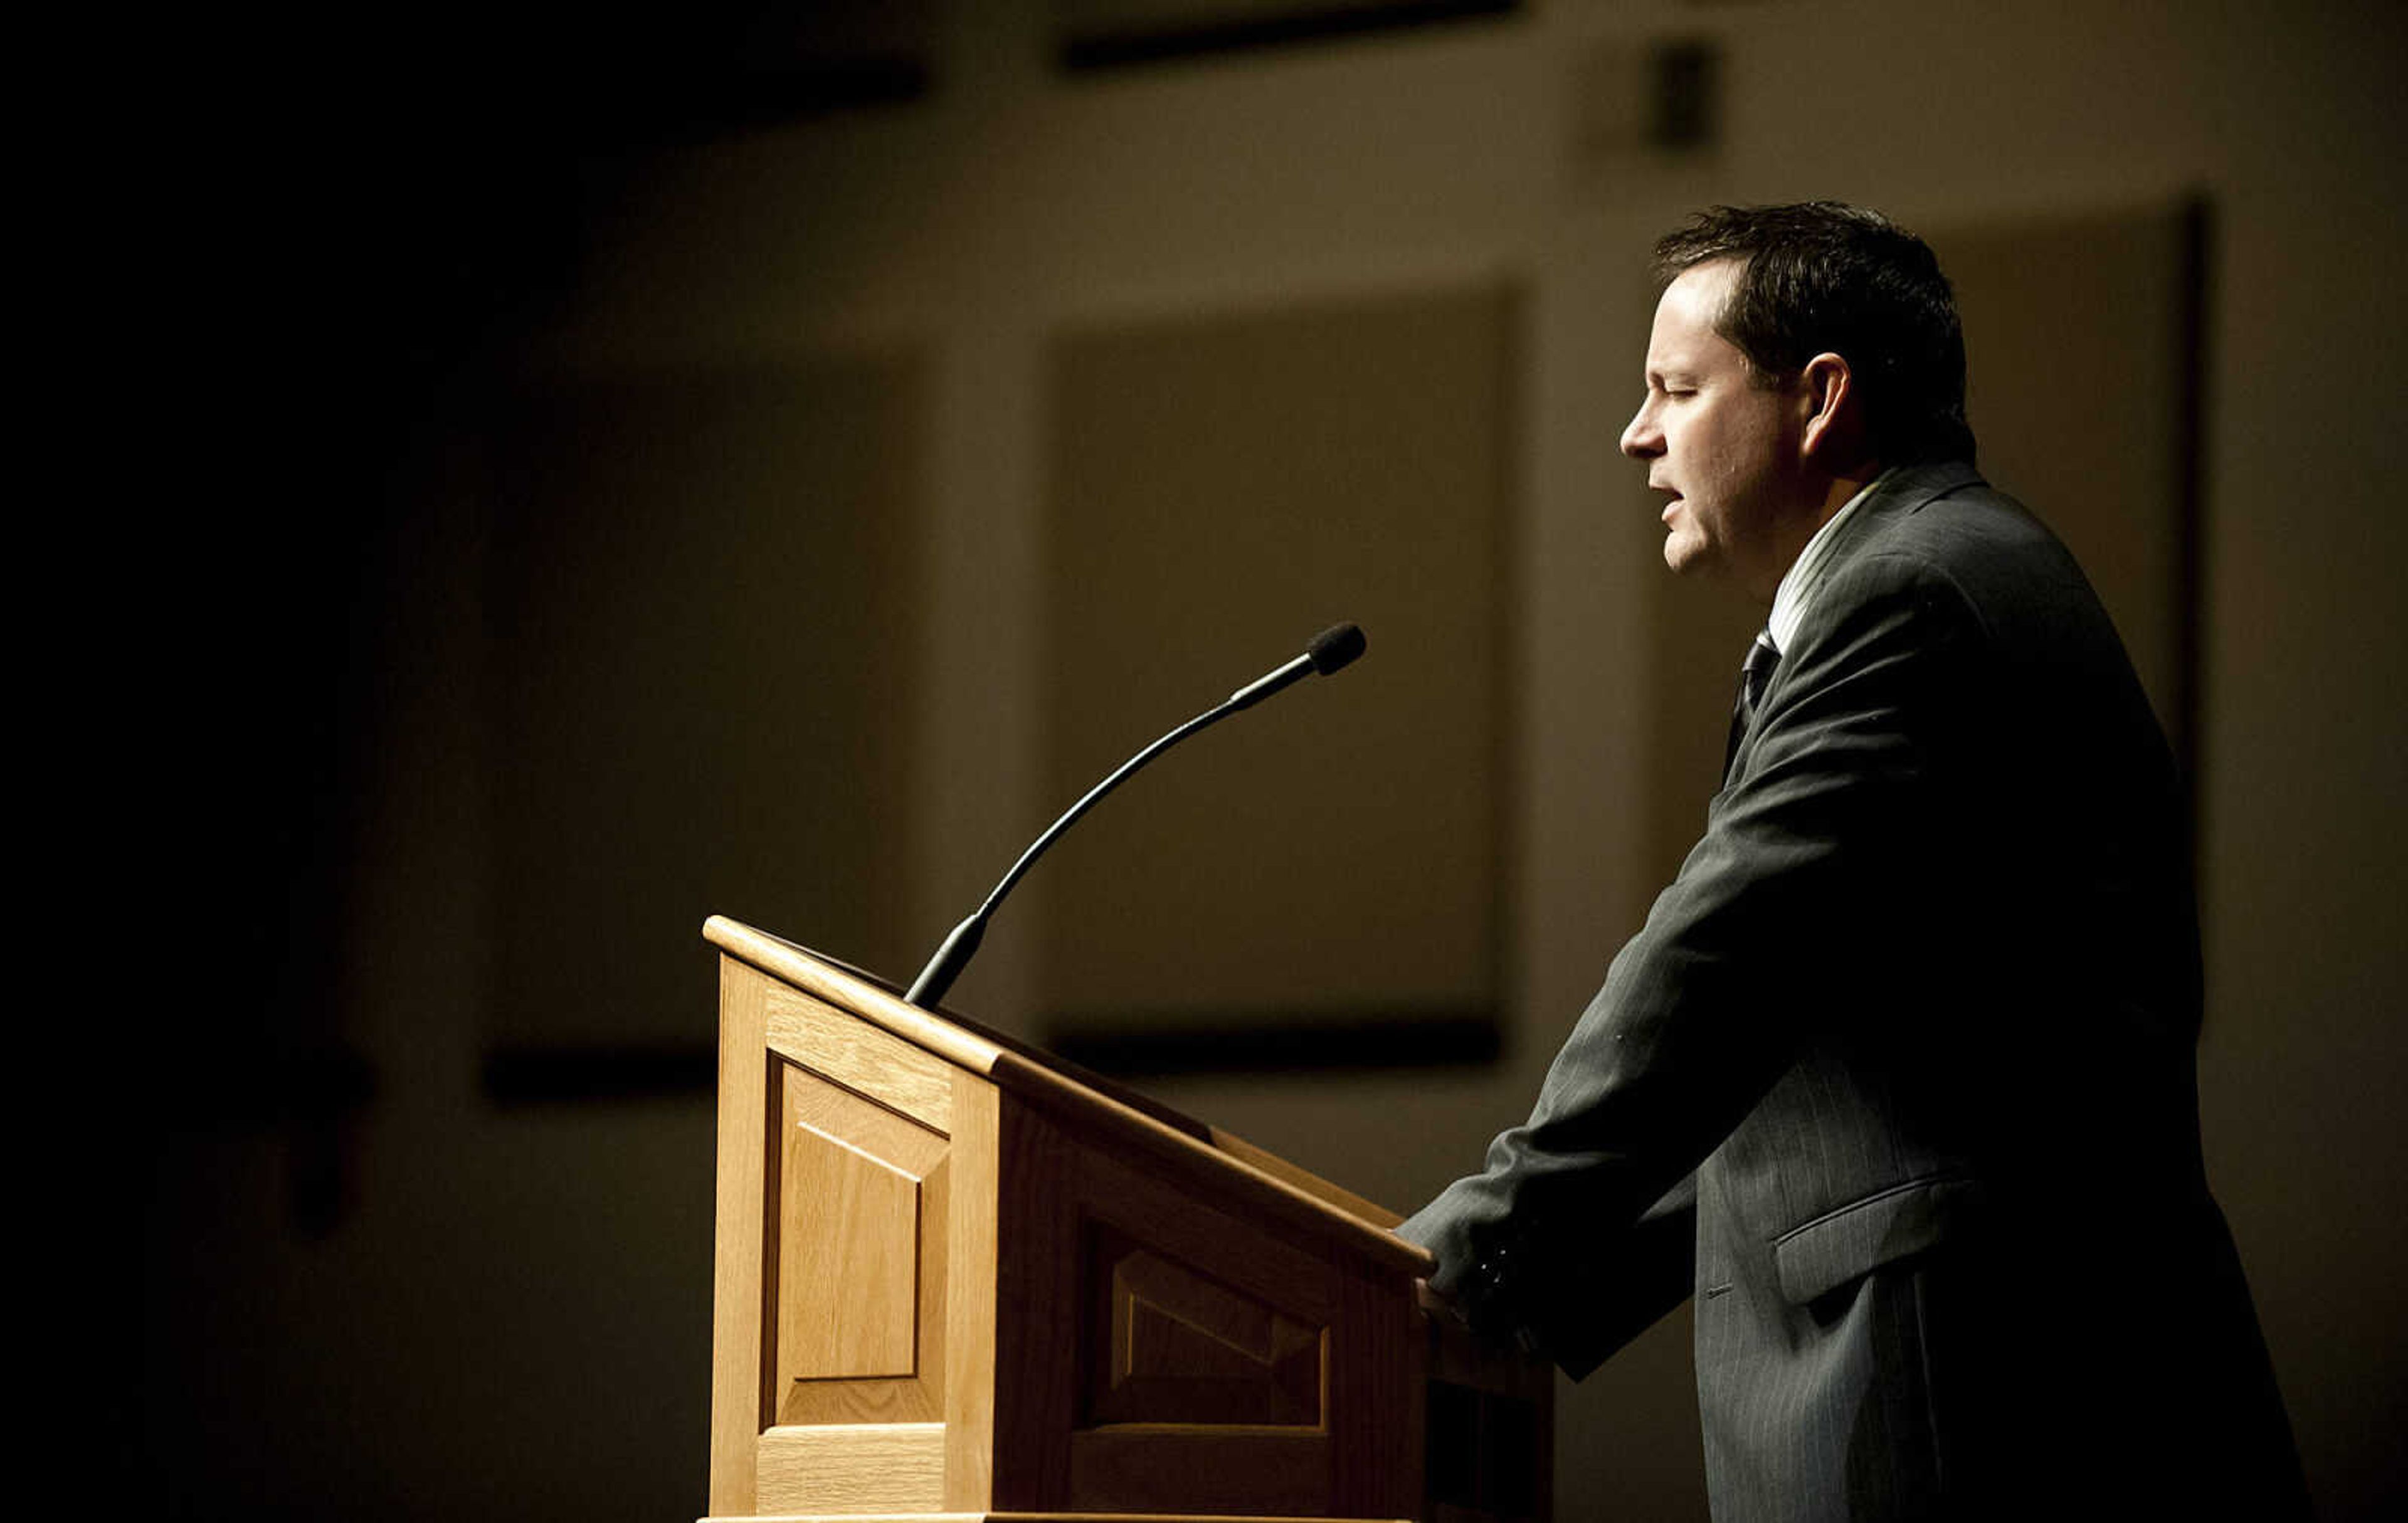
[1806,573]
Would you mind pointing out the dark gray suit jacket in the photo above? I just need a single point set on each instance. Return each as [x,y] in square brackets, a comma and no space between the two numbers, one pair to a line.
[1898,1079]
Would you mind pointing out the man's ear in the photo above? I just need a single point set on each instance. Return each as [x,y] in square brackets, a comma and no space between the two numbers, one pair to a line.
[1834,436]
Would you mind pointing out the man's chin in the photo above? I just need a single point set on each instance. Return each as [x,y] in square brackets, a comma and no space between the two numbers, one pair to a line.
[1695,560]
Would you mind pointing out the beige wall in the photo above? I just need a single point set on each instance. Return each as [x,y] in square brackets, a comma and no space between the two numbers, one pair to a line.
[530,1288]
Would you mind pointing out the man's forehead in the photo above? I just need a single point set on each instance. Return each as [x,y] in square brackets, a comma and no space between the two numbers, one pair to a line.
[1684,335]
[1710,279]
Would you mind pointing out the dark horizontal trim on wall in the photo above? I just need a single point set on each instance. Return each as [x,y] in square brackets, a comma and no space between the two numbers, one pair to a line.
[699,104]
[563,1075]
[1102,49]
[1317,1041]
[237,1088]
[1251,1042]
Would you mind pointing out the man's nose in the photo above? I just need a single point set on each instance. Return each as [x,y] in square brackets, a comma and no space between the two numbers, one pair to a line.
[1642,439]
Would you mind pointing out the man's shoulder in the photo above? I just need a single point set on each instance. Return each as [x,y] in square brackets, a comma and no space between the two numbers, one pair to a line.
[1947,551]
[1947,513]
[1945,524]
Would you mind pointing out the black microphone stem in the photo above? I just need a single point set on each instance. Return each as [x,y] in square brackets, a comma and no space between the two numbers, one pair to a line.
[1331,650]
[955,954]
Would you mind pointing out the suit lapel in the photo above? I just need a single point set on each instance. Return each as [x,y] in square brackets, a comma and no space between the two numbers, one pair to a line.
[1907,490]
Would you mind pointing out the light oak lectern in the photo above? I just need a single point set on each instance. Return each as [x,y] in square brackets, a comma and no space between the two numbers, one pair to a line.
[957,1277]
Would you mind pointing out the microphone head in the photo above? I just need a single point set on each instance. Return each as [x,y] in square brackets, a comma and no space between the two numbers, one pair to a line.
[1336,646]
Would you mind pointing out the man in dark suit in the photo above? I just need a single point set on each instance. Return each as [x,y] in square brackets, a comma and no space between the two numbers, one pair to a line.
[1898,1078]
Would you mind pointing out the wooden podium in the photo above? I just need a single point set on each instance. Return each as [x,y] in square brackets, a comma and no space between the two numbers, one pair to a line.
[955,1276]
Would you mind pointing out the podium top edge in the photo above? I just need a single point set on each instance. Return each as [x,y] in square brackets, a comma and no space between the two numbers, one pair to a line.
[1026,1518]
[1038,1077]
[854,990]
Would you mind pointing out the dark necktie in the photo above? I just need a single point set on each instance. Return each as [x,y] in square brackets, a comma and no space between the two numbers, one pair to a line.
[1753,674]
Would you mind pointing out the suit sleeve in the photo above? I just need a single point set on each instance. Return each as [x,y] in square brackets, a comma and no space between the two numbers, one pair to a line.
[1571,1237]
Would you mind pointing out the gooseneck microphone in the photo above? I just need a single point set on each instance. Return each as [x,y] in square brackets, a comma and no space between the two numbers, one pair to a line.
[1330,650]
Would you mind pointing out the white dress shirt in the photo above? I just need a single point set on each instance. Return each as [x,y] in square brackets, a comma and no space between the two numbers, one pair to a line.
[1805,574]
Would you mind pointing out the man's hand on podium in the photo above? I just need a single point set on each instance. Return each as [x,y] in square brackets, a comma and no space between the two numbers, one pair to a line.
[1438,1305]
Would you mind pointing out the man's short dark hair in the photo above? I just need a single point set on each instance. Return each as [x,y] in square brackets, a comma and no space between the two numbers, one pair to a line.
[1823,276]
